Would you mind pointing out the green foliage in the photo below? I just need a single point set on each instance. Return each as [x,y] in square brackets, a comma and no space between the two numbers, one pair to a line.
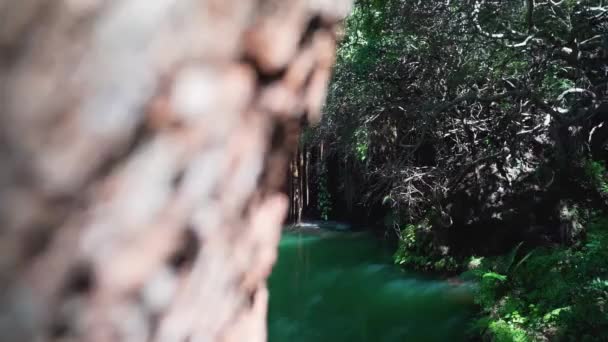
[362,144]
[409,245]
[408,236]
[596,172]
[494,276]
[555,82]
[417,251]
[560,293]
[504,331]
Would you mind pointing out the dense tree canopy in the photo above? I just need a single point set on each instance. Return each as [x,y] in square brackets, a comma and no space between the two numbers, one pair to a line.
[428,95]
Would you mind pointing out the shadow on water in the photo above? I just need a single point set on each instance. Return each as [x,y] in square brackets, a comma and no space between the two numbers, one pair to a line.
[336,286]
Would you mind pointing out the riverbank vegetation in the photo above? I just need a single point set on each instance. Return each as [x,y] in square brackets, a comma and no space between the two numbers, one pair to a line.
[474,133]
[546,294]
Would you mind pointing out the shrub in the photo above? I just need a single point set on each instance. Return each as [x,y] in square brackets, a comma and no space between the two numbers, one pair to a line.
[558,294]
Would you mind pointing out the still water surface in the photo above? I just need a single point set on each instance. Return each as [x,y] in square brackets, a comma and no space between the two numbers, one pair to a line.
[337,286]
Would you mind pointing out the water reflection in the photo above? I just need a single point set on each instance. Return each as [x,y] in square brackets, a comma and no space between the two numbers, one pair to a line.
[342,287]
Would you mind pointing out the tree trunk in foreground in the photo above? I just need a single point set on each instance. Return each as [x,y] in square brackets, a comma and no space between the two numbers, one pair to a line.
[143,144]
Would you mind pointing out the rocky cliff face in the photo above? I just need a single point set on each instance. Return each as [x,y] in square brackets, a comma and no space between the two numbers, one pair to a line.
[144,144]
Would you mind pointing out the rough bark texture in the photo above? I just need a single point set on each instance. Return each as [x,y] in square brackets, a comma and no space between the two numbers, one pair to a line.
[143,145]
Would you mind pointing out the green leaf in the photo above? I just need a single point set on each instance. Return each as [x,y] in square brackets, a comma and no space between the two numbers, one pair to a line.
[495,276]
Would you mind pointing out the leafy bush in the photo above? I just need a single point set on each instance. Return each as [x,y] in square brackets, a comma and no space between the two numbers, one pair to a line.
[557,294]
[361,144]
[417,251]
[596,172]
[506,332]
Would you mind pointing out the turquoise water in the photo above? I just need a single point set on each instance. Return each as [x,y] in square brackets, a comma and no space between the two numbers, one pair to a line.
[343,287]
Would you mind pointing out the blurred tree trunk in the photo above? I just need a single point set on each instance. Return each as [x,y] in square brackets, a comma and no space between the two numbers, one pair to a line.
[143,145]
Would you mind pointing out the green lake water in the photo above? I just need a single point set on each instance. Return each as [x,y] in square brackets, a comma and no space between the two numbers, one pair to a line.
[343,287]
